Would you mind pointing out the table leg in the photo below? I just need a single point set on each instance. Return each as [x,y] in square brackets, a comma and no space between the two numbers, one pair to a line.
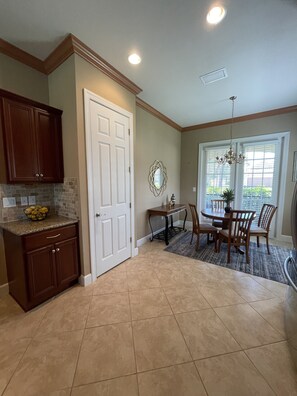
[166,230]
[171,221]
[185,220]
[151,228]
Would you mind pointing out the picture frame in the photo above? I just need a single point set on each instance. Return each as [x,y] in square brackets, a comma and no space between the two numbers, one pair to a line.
[294,173]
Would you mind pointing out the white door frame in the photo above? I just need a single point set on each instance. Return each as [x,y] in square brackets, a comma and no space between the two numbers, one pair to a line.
[88,98]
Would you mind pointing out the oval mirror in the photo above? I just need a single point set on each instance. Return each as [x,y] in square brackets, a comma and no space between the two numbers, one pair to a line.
[157,178]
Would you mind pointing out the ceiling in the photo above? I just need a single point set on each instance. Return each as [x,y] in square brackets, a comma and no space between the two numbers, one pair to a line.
[256,43]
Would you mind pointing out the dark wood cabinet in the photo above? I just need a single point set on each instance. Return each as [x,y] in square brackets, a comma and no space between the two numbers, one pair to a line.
[42,264]
[30,141]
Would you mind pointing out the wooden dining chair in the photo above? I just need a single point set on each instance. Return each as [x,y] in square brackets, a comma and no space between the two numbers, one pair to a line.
[264,222]
[217,205]
[238,232]
[201,228]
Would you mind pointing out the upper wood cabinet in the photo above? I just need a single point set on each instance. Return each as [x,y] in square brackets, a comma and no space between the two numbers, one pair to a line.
[30,141]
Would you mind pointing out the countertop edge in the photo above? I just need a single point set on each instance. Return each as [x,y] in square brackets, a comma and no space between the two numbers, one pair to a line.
[27,227]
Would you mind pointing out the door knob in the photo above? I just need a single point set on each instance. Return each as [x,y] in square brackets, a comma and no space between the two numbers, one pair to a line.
[98,214]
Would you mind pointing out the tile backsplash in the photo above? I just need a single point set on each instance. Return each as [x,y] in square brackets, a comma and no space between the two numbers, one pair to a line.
[66,198]
[61,198]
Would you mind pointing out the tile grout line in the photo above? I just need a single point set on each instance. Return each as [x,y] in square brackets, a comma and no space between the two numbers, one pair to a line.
[258,371]
[133,344]
[80,346]
[271,325]
[193,361]
[22,357]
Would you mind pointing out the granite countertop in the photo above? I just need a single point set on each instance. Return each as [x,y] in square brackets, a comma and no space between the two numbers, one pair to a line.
[26,226]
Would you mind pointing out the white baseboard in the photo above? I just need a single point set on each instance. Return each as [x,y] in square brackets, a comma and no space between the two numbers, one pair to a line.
[143,240]
[135,252]
[85,280]
[4,290]
[284,238]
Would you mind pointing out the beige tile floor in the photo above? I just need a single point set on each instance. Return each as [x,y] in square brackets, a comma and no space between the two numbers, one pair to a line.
[157,325]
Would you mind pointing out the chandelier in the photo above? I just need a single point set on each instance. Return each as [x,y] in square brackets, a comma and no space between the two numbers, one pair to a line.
[231,157]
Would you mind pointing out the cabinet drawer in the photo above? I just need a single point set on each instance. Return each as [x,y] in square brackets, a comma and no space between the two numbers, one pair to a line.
[49,237]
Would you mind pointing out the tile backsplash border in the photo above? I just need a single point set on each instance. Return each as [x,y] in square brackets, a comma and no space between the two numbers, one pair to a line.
[61,198]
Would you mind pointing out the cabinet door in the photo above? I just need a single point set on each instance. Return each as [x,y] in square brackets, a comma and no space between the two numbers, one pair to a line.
[49,146]
[67,262]
[42,280]
[19,136]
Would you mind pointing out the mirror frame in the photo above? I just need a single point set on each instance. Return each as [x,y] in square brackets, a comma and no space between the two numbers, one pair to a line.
[153,168]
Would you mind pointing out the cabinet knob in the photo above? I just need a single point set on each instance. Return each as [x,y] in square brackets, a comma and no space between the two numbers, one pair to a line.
[58,249]
[53,251]
[98,214]
[41,174]
[37,174]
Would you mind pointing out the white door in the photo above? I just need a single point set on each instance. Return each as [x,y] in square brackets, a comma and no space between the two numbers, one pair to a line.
[111,186]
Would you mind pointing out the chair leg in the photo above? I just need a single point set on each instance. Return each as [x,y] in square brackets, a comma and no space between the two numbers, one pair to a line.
[208,239]
[229,251]
[215,237]
[267,244]
[192,238]
[247,253]
[219,245]
[258,241]
[198,242]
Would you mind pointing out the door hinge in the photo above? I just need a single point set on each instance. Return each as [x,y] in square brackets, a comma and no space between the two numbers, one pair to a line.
[129,169]
[129,131]
[130,205]
[130,239]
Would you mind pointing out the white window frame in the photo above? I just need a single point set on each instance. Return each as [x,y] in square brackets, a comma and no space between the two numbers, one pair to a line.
[282,137]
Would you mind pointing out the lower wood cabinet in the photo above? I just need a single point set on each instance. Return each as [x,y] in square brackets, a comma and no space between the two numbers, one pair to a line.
[42,264]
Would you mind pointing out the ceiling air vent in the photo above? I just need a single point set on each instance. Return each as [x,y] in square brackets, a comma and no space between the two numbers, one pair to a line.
[214,76]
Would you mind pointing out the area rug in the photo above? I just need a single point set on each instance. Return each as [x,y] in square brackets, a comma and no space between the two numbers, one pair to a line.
[261,264]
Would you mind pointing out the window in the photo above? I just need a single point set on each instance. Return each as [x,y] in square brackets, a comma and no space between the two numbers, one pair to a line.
[260,175]
[217,177]
[256,181]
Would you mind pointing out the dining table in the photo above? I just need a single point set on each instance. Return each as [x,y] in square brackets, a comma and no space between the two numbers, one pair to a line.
[217,214]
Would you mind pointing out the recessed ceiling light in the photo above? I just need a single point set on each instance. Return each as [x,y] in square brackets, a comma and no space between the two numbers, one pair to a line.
[215,15]
[134,59]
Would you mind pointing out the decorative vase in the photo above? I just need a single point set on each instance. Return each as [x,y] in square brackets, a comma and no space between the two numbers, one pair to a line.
[172,200]
[228,209]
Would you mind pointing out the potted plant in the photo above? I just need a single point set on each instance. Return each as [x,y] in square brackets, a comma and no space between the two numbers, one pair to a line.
[228,196]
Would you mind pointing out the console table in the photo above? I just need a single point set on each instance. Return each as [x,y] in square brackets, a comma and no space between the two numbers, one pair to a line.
[167,211]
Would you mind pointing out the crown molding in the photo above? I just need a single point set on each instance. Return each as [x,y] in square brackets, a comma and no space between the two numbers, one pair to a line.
[269,113]
[59,55]
[21,56]
[72,45]
[145,106]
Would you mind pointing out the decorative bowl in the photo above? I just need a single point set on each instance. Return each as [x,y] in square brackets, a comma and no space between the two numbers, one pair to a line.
[36,212]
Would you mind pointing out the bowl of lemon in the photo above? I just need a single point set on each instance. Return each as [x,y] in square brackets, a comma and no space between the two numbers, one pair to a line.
[36,212]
